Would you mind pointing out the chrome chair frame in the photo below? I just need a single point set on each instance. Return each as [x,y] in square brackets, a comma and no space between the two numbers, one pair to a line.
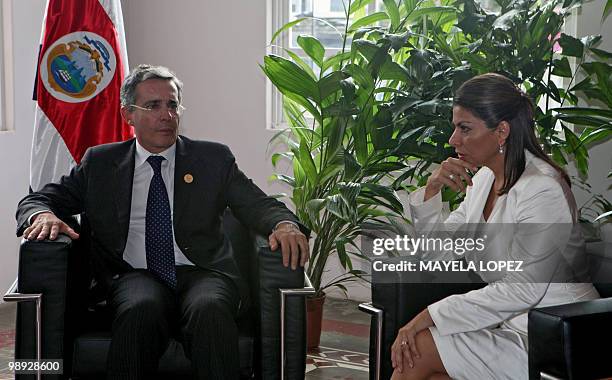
[307,290]
[13,296]
[378,315]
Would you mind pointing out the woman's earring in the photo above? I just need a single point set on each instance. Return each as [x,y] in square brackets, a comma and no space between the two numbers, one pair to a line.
[501,149]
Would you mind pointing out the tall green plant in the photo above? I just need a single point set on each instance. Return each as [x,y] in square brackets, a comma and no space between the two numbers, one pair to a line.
[377,113]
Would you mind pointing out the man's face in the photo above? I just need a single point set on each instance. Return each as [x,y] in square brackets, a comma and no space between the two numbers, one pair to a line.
[156,128]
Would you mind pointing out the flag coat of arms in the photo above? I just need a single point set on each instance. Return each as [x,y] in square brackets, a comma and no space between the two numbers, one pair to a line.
[81,66]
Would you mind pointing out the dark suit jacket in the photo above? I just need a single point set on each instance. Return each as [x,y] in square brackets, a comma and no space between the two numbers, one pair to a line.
[101,188]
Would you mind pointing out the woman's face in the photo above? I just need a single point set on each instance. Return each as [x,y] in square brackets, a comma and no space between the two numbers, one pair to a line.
[472,140]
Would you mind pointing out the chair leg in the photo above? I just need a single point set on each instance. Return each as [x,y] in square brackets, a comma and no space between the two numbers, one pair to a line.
[306,290]
[13,296]
[377,314]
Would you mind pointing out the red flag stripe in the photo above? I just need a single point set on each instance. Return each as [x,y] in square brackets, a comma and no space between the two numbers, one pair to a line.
[97,120]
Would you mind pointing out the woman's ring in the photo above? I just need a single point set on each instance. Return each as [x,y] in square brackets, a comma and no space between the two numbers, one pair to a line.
[404,343]
[451,177]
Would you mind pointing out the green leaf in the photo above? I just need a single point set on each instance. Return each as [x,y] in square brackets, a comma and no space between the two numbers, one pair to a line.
[302,101]
[284,178]
[367,48]
[418,14]
[393,71]
[306,162]
[331,83]
[608,213]
[572,47]
[341,109]
[289,77]
[368,20]
[558,157]
[349,192]
[313,48]
[351,166]
[595,135]
[337,206]
[342,256]
[584,120]
[583,111]
[285,27]
[393,12]
[314,207]
[335,60]
[358,4]
[562,68]
[278,156]
[575,148]
[300,62]
[506,21]
[606,11]
[361,76]
[373,190]
[590,40]
[601,53]
[410,5]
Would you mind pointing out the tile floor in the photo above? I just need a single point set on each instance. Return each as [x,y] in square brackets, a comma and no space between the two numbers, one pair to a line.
[342,354]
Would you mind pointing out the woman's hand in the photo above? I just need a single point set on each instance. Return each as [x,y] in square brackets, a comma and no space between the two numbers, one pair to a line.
[404,346]
[452,172]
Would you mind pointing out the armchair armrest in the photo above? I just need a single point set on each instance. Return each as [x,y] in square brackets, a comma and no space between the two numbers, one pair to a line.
[568,341]
[43,268]
[283,350]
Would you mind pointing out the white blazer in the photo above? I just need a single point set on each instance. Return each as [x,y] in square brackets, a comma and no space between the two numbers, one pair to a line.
[542,205]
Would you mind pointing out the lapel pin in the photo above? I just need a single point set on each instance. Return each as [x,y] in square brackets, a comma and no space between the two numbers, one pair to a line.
[188,178]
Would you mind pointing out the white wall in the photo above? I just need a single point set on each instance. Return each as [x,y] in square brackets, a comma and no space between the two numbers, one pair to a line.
[15,145]
[215,48]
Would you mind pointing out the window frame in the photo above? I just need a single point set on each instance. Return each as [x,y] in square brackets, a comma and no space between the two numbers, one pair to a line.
[6,68]
[278,14]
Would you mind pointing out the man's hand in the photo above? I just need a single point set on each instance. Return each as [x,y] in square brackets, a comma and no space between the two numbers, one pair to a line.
[47,225]
[293,243]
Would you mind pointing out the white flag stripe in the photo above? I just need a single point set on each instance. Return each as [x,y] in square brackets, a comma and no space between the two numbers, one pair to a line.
[50,158]
[114,12]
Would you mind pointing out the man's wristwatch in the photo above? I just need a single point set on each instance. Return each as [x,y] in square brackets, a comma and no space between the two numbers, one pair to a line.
[289,224]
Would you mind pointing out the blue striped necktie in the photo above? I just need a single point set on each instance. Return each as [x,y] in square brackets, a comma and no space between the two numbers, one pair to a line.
[159,244]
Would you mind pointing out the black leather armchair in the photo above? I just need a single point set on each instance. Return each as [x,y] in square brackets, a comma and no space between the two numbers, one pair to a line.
[56,275]
[565,341]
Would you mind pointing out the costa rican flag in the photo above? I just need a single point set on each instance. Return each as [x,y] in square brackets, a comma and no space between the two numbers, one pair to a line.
[81,66]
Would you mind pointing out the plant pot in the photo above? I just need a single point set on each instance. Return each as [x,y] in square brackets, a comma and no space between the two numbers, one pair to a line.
[314,317]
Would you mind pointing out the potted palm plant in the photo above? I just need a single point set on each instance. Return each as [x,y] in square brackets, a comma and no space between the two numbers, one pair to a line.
[372,118]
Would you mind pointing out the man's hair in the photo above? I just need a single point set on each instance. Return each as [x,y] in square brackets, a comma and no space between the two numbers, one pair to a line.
[142,73]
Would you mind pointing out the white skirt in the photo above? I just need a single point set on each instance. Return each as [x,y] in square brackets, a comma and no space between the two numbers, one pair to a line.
[498,353]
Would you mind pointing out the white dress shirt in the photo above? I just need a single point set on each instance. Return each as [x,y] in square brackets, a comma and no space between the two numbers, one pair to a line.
[134,253]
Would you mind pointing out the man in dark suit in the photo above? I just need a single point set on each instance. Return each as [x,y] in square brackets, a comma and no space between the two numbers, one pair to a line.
[154,205]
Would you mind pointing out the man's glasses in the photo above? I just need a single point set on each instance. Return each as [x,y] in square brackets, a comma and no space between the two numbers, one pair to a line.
[157,108]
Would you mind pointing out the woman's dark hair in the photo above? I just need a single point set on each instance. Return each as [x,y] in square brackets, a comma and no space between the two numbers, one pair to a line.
[495,98]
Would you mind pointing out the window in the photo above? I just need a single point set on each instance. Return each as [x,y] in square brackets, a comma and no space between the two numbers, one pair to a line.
[325,20]
[336,6]
[6,67]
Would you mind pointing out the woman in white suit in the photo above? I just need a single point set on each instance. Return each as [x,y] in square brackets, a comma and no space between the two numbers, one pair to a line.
[483,334]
